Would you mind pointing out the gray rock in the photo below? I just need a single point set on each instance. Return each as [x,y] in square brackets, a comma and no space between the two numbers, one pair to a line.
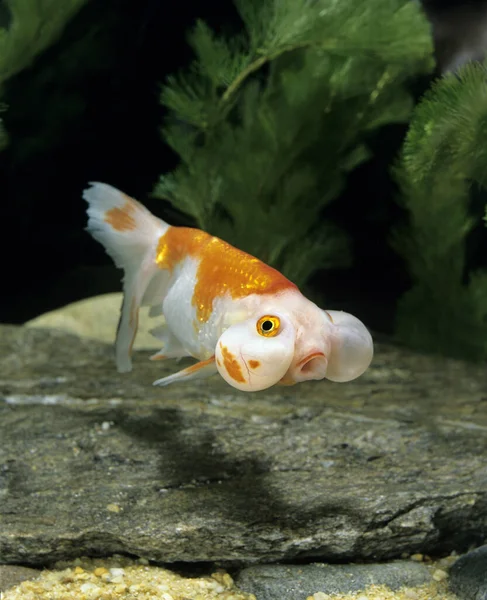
[93,462]
[468,576]
[11,575]
[296,582]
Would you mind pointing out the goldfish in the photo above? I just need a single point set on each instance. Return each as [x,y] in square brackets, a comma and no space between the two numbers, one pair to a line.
[234,314]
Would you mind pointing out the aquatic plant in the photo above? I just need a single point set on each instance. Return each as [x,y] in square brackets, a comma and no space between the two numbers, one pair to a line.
[27,28]
[268,123]
[443,157]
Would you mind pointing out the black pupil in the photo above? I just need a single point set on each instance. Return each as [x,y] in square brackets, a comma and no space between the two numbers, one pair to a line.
[267,325]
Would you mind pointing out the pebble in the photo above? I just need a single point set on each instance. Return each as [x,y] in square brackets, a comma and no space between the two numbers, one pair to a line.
[117,572]
[90,588]
[439,575]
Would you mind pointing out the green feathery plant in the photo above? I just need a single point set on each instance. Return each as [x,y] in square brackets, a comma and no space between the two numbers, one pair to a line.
[445,152]
[33,26]
[267,124]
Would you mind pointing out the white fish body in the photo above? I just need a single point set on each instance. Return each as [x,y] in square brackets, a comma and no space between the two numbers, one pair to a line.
[232,312]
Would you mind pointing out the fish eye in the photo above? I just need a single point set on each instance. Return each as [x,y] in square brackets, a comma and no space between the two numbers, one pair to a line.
[268,326]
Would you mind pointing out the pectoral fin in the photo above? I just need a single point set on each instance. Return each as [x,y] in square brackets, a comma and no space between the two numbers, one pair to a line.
[200,370]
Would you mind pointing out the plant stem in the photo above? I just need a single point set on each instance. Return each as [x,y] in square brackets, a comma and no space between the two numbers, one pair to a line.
[237,82]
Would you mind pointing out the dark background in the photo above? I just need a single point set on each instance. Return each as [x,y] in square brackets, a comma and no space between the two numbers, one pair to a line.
[88,110]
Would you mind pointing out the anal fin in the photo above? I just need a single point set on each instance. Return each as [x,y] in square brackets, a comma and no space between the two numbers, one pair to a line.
[200,370]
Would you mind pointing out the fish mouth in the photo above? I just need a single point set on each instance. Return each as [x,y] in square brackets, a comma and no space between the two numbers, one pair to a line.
[312,366]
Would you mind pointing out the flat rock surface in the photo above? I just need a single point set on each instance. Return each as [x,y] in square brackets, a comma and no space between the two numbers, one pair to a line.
[93,462]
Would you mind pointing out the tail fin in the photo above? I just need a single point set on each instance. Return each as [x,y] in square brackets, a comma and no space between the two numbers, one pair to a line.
[130,234]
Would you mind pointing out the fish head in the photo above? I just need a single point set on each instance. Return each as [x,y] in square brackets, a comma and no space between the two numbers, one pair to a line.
[256,353]
[293,346]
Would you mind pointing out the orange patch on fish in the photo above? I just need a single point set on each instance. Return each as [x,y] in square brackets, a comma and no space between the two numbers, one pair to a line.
[231,365]
[253,364]
[222,268]
[121,219]
[199,365]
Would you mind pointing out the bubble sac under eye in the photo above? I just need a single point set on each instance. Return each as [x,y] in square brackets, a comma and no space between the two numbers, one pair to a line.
[268,326]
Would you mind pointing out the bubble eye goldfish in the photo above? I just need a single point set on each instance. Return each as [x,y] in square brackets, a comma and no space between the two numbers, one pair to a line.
[233,313]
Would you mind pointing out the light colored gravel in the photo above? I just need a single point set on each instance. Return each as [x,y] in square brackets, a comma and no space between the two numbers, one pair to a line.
[120,578]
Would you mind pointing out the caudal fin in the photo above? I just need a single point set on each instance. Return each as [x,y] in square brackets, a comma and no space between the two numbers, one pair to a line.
[130,234]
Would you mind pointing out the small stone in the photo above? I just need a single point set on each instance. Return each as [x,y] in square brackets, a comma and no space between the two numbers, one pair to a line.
[411,595]
[114,508]
[417,557]
[117,572]
[440,575]
[79,570]
[446,562]
[106,425]
[99,571]
[89,588]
